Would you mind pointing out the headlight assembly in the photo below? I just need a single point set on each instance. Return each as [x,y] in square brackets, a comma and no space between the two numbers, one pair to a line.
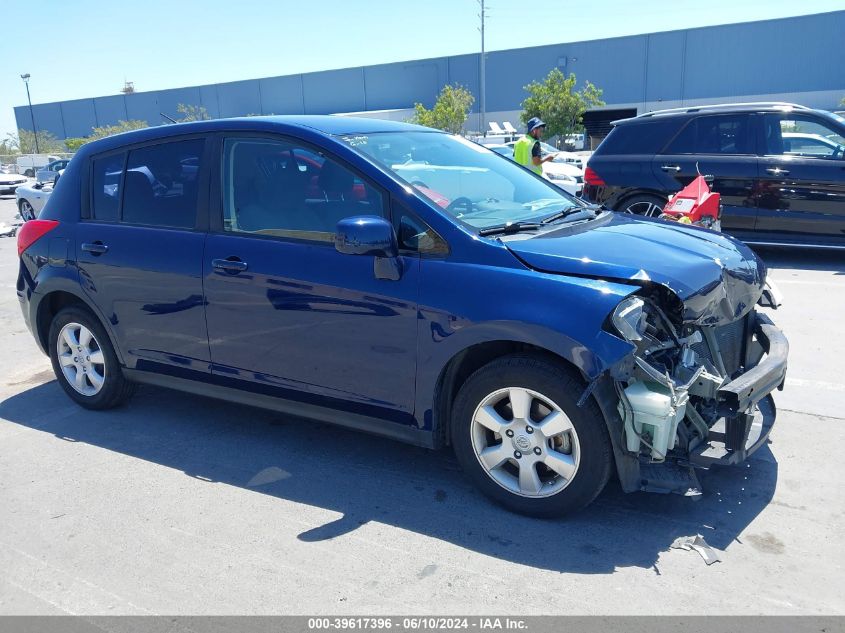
[630,319]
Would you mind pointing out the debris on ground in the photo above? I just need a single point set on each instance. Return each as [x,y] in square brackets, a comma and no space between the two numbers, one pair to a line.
[7,230]
[697,543]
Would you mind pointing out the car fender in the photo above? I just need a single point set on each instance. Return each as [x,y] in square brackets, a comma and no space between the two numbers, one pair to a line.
[52,279]
[562,315]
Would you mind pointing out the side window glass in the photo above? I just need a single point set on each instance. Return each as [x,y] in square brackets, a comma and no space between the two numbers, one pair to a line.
[684,142]
[278,188]
[161,184]
[415,235]
[105,198]
[723,135]
[802,136]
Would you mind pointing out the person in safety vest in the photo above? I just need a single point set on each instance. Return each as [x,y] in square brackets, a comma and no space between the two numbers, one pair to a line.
[527,152]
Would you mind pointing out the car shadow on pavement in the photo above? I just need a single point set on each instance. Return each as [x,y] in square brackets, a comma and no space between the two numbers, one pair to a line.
[367,478]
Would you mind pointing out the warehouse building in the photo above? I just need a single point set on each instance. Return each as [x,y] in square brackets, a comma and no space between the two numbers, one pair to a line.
[799,59]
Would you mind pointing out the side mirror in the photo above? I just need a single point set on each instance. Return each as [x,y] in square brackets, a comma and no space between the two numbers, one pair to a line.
[366,235]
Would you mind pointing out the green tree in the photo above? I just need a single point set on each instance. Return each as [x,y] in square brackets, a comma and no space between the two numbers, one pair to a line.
[120,126]
[24,142]
[73,144]
[450,111]
[7,148]
[558,104]
[192,113]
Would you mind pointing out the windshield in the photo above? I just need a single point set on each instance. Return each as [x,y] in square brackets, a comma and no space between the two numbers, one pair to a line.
[473,184]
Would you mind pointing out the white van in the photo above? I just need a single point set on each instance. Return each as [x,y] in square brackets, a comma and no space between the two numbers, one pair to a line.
[29,163]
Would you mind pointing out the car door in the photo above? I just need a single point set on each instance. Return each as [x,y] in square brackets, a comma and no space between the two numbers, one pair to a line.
[139,253]
[285,310]
[802,181]
[722,146]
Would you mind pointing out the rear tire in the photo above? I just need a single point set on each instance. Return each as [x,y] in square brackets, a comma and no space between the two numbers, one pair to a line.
[548,457]
[29,173]
[644,205]
[84,361]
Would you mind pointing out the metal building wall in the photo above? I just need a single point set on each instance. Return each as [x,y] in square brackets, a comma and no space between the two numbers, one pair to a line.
[799,58]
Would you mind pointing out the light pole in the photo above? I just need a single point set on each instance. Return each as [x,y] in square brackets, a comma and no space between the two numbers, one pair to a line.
[31,115]
[483,75]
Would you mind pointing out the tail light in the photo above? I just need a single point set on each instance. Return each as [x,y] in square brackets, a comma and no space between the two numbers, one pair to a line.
[33,231]
[592,178]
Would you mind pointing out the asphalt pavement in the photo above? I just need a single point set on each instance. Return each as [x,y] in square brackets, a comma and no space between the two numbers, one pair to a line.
[177,504]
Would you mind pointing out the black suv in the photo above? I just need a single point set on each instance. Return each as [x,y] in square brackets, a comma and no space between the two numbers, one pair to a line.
[780,168]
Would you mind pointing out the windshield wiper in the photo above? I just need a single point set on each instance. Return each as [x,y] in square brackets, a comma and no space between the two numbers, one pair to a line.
[510,227]
[567,212]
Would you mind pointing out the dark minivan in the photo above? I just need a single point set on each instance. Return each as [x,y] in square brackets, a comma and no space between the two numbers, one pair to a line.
[780,168]
[410,283]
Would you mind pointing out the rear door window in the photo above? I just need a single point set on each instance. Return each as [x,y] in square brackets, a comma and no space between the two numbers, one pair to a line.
[105,199]
[724,134]
[161,184]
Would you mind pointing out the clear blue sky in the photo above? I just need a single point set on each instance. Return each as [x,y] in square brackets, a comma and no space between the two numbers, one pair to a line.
[86,48]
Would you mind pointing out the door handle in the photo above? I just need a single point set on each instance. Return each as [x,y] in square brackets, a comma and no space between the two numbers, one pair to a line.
[777,171]
[673,168]
[95,248]
[231,266]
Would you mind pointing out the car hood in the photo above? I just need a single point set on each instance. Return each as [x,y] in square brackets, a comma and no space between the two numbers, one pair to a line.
[717,278]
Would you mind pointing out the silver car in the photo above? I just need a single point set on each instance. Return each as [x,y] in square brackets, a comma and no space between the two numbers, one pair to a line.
[31,198]
[49,171]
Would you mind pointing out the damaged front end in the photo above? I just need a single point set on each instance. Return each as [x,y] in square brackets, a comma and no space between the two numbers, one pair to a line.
[694,392]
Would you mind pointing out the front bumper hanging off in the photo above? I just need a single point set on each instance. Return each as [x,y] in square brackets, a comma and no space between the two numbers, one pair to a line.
[745,427]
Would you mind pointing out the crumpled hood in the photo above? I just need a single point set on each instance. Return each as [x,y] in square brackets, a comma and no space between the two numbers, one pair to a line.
[716,277]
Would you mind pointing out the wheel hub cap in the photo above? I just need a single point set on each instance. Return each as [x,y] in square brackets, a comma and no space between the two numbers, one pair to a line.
[525,442]
[521,442]
[81,359]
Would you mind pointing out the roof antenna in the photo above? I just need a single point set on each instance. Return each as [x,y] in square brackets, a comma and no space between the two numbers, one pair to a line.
[168,118]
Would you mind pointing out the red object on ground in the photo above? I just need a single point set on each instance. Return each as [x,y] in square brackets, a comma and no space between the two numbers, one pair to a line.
[694,204]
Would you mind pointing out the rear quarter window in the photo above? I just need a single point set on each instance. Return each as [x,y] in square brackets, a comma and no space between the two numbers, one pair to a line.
[105,198]
[647,137]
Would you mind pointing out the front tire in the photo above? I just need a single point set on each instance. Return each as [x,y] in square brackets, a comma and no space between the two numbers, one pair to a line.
[84,361]
[521,438]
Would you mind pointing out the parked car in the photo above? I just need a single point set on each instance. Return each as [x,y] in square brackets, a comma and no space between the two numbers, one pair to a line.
[575,141]
[49,171]
[563,174]
[31,198]
[27,164]
[772,194]
[549,342]
[811,145]
[10,182]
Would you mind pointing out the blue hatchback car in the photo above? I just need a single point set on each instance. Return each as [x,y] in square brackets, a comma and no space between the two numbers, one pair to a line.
[409,283]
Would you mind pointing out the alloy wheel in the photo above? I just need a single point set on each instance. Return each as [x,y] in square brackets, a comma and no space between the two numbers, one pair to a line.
[27,211]
[81,359]
[525,442]
[645,208]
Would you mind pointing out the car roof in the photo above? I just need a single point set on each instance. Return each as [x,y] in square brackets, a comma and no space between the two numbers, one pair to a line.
[719,108]
[327,125]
